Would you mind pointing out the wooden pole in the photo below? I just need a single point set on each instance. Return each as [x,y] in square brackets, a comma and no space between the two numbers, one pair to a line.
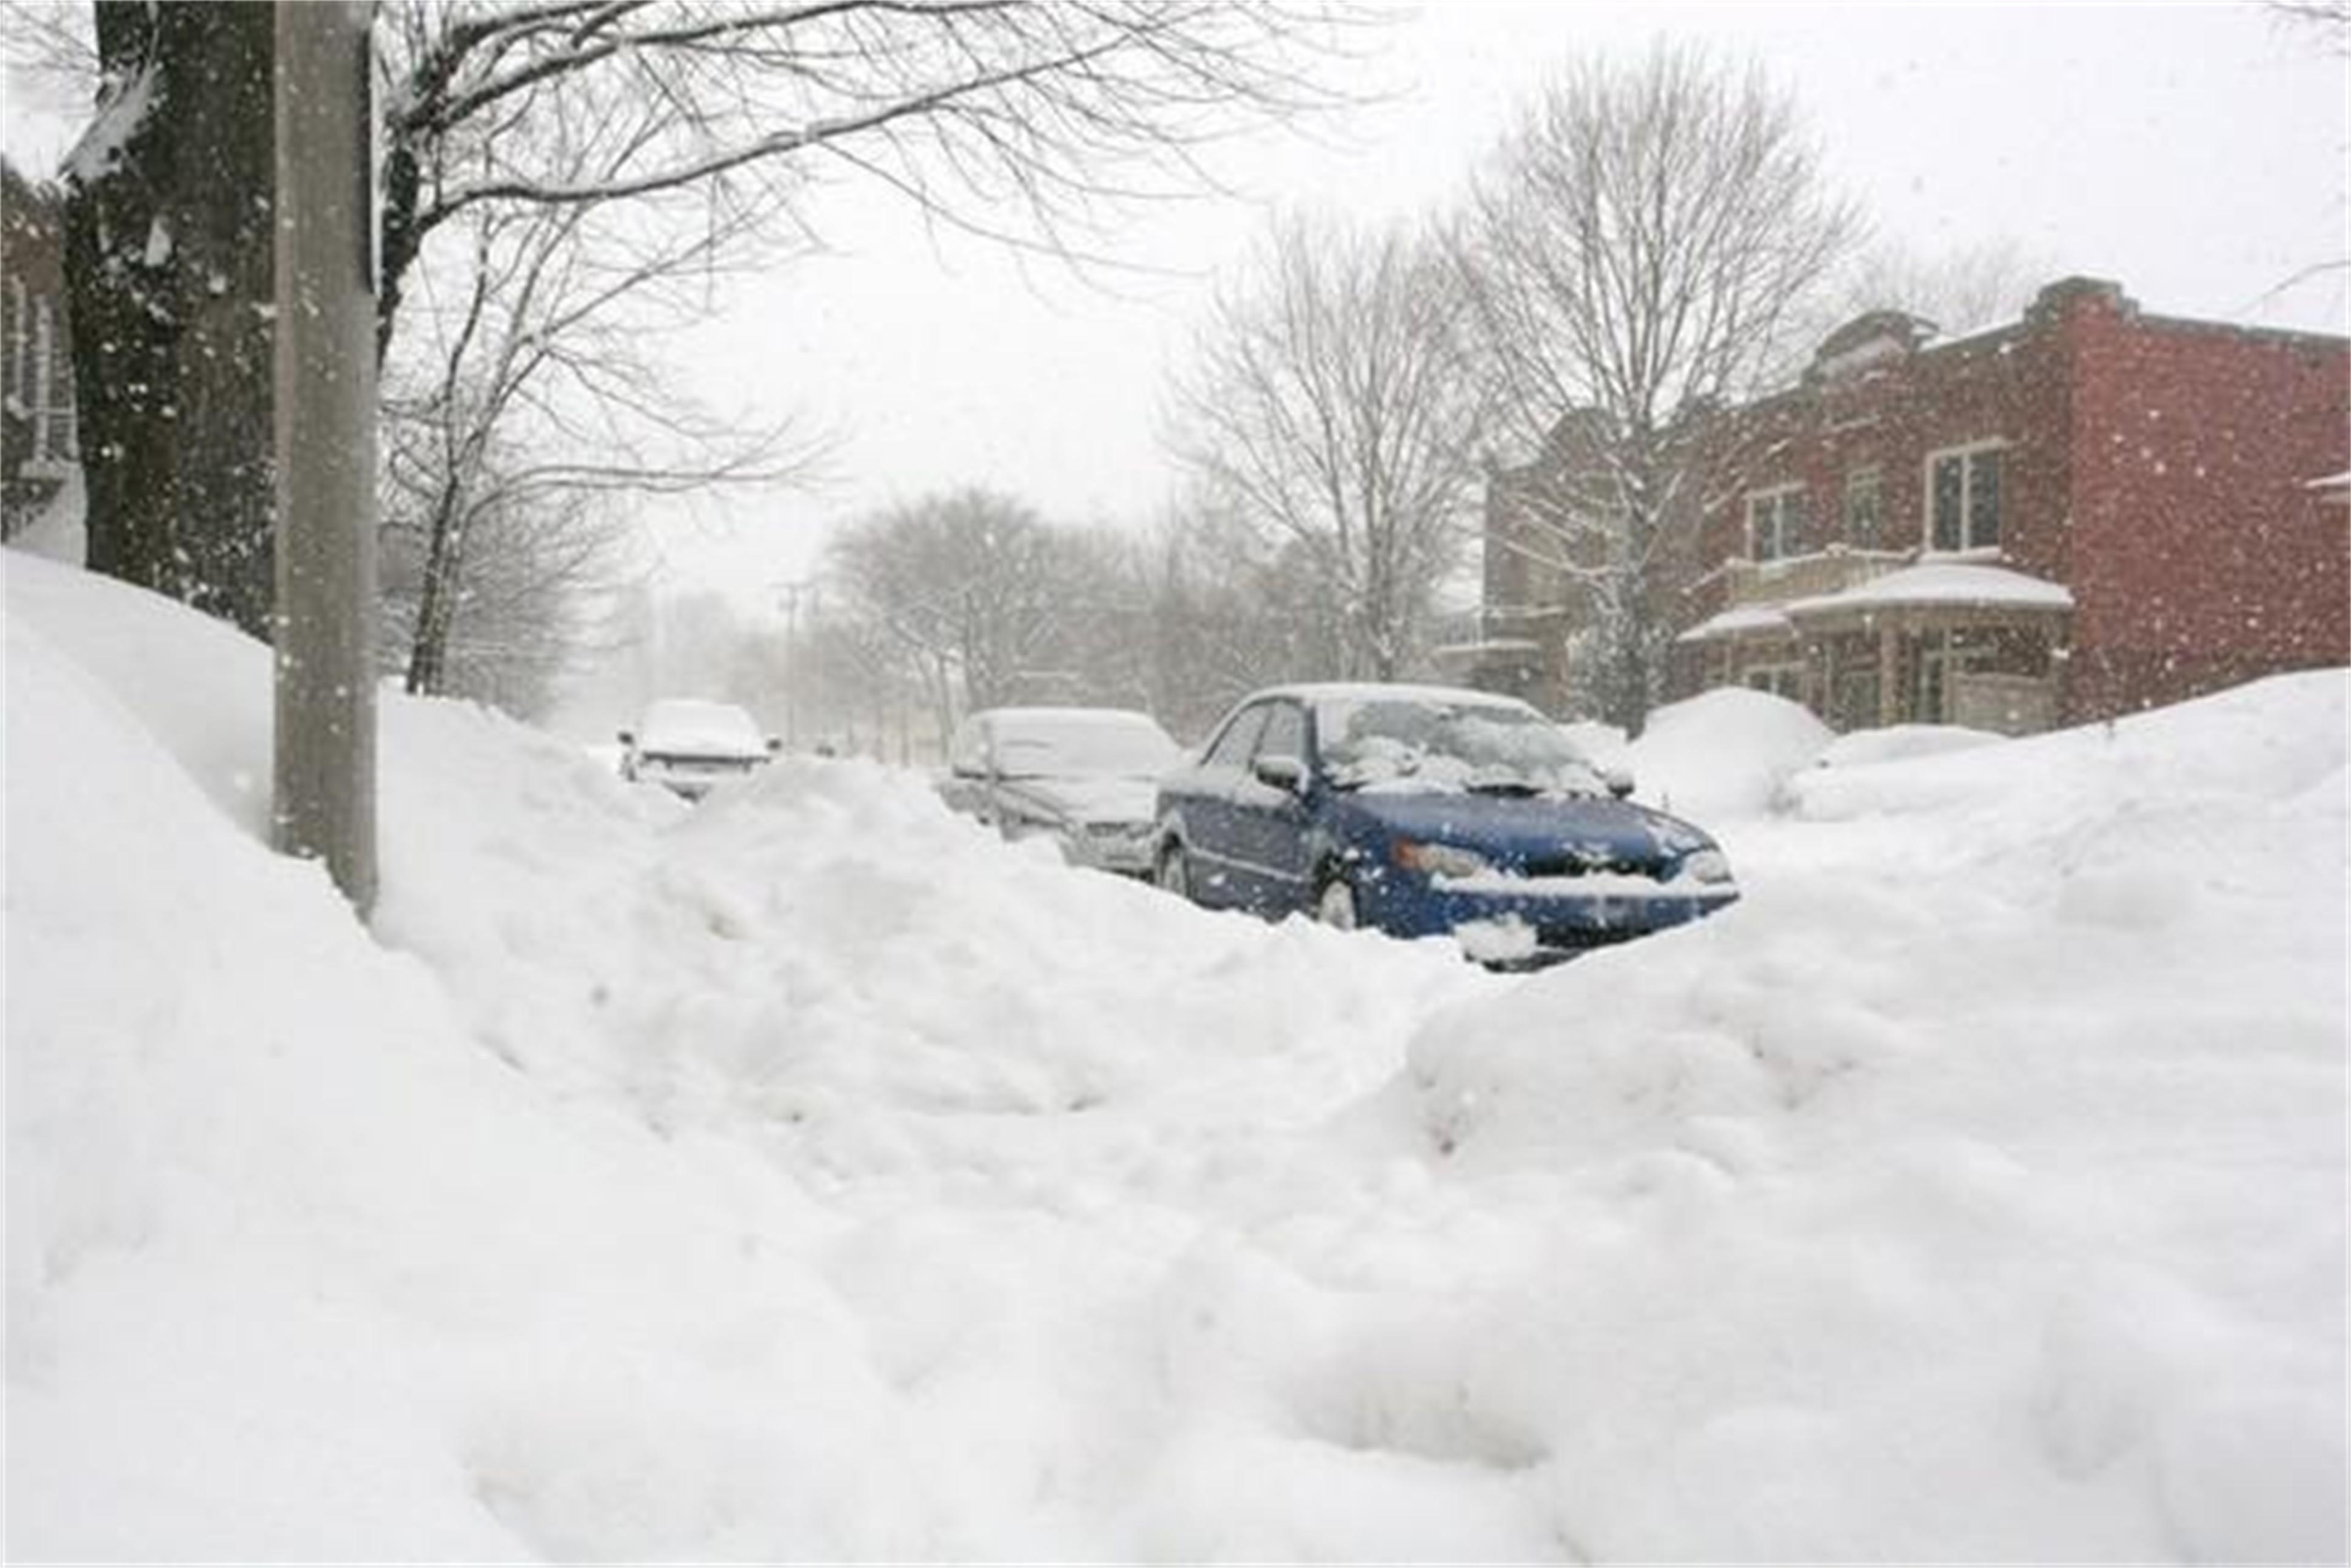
[323,805]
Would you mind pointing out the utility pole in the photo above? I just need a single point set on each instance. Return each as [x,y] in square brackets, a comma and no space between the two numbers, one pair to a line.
[791,592]
[323,804]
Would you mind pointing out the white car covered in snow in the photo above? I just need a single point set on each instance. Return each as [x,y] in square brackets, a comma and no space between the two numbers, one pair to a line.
[1087,776]
[689,746]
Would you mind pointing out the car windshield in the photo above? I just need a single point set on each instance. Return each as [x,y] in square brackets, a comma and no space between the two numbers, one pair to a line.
[1084,744]
[1397,743]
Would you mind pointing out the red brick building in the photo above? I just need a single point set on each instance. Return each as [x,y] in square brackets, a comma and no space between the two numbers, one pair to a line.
[2086,512]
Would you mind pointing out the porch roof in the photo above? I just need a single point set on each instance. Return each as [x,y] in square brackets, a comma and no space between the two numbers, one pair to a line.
[1954,585]
[1945,587]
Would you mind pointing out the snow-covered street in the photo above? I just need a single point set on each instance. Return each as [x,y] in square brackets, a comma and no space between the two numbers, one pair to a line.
[810,1175]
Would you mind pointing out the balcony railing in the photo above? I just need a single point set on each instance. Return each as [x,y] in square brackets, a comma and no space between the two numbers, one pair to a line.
[1831,571]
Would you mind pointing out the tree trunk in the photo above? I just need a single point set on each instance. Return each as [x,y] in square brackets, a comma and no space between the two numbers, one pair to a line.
[169,265]
[436,607]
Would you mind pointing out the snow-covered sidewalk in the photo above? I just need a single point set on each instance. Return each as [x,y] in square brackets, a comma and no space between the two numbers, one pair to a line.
[810,1175]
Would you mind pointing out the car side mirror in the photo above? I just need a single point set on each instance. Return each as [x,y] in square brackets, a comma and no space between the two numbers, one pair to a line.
[1618,780]
[1281,772]
[774,745]
[628,737]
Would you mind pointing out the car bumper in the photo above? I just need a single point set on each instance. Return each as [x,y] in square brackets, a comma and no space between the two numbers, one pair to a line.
[691,783]
[1500,927]
[1125,850]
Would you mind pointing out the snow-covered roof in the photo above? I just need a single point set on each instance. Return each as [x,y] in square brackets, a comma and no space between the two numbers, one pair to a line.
[1943,583]
[1488,645]
[1743,621]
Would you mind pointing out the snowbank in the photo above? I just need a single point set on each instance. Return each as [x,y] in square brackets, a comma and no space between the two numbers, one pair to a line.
[811,1175]
[2022,1166]
[1723,754]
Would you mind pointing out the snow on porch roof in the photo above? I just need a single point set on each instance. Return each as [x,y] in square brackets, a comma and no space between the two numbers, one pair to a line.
[1747,620]
[1952,583]
[1948,584]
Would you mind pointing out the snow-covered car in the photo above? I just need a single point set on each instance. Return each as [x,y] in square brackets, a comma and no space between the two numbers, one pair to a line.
[689,746]
[1423,810]
[1087,776]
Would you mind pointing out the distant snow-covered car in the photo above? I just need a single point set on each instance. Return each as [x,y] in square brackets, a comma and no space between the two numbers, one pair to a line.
[1422,811]
[688,745]
[1087,776]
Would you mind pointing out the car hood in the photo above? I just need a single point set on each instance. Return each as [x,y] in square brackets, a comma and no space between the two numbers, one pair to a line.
[1535,827]
[1087,798]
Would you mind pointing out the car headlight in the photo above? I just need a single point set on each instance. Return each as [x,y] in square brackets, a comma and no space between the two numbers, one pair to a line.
[1440,859]
[1706,865]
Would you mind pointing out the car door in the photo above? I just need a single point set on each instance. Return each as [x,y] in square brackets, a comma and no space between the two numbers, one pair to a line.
[1270,815]
[1211,825]
[965,786]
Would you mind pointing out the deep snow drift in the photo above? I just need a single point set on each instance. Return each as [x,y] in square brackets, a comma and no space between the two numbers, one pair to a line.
[809,1175]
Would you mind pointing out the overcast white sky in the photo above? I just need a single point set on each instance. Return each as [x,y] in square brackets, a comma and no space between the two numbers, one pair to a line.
[2193,152]
[2196,153]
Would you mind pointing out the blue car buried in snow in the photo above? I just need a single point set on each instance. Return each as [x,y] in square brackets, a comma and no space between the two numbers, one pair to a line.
[1427,810]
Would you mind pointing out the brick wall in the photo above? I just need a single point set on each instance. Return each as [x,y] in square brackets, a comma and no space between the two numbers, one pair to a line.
[2201,557]
[2157,468]
[2007,386]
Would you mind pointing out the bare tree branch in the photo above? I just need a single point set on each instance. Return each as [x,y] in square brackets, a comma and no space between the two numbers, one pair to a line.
[1331,405]
[1012,118]
[1636,254]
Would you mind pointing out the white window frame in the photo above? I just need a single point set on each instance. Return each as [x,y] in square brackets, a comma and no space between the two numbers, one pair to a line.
[16,367]
[44,346]
[1966,545]
[1875,475]
[1776,496]
[1943,657]
[1781,678]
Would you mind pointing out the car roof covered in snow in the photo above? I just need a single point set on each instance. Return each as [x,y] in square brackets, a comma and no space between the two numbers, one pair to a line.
[1067,717]
[1319,693]
[700,729]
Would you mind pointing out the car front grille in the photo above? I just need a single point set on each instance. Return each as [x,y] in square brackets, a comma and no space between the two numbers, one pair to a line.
[1579,865]
[1580,938]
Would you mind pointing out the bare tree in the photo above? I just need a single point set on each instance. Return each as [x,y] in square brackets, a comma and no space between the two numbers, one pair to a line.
[1026,120]
[536,567]
[2330,20]
[1635,251]
[530,387]
[970,585]
[2328,23]
[1958,291]
[1331,406]
[1016,119]
[855,682]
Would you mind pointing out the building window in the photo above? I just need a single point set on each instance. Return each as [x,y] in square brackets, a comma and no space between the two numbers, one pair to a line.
[1939,659]
[1963,492]
[17,380]
[1780,680]
[1861,508]
[1775,522]
[43,349]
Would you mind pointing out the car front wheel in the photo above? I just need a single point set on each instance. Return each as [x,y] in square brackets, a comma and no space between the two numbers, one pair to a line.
[1335,905]
[1174,875]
